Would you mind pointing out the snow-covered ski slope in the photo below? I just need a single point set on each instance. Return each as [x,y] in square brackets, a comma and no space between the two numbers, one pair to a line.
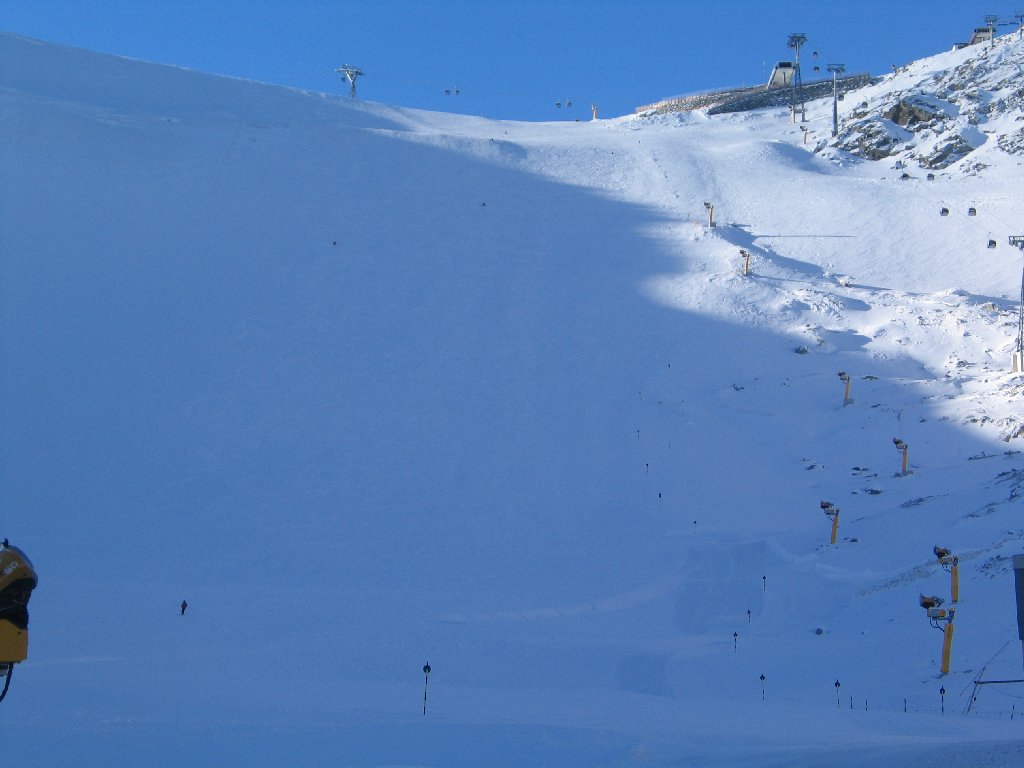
[373,388]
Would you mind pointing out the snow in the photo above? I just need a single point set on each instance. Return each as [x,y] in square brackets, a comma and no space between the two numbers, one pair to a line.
[372,387]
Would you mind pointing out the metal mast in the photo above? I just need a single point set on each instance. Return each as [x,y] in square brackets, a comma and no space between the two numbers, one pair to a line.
[990,22]
[350,73]
[1018,358]
[835,69]
[795,41]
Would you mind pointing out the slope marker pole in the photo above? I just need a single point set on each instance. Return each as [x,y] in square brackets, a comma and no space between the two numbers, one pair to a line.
[426,679]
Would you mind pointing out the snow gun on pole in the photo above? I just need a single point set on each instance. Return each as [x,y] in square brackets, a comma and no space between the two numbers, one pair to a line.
[17,580]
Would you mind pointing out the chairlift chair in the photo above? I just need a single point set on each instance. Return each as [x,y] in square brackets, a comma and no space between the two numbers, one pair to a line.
[991,243]
[943,211]
[972,211]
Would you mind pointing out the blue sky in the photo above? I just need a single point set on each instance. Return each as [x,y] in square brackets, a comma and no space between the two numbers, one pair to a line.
[510,59]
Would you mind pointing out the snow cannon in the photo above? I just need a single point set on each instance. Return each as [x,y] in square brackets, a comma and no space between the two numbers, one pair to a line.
[903,448]
[832,513]
[931,605]
[17,580]
[936,614]
[845,378]
[950,563]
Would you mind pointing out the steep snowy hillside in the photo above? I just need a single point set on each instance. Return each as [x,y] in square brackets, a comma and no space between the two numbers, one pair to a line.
[374,388]
[953,109]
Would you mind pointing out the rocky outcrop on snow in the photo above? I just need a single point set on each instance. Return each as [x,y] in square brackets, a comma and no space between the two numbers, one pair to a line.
[935,113]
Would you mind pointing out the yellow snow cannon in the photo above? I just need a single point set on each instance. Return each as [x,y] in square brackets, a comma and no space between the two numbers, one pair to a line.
[17,580]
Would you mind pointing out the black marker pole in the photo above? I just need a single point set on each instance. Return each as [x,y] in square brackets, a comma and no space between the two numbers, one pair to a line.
[426,679]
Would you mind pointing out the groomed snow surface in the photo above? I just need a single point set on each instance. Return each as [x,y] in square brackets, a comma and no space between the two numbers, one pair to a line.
[373,388]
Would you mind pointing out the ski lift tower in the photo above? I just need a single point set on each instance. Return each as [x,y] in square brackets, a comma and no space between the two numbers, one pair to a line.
[990,22]
[350,74]
[795,41]
[836,70]
[1018,353]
